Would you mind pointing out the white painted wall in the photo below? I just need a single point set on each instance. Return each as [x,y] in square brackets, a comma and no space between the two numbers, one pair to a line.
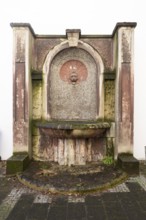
[53,17]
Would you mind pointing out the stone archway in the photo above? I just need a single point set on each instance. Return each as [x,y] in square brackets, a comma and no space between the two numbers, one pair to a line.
[92,61]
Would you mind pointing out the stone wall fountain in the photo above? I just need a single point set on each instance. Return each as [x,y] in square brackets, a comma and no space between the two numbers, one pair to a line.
[73,94]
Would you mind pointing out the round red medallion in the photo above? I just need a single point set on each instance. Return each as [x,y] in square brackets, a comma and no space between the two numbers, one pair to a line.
[73,72]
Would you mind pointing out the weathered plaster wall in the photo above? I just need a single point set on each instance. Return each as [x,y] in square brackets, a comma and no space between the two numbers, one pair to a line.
[23,60]
[101,88]
[42,47]
[109,105]
[68,151]
[104,46]
[124,90]
[36,99]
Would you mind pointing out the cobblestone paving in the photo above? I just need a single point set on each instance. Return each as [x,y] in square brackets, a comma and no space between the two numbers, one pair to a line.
[126,201]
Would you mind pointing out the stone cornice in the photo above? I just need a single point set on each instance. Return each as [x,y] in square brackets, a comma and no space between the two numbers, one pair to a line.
[123,24]
[25,25]
[118,25]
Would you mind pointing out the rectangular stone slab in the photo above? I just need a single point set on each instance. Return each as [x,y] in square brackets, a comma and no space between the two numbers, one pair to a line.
[17,163]
[129,164]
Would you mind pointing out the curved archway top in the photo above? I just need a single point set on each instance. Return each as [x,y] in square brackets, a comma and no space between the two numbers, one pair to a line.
[65,45]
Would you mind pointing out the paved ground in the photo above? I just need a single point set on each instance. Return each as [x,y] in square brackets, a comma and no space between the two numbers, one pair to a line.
[126,201]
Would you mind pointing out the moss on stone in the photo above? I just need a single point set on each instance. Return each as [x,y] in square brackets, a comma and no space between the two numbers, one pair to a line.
[37,99]
[109,147]
[108,160]
[17,163]
[61,124]
[109,105]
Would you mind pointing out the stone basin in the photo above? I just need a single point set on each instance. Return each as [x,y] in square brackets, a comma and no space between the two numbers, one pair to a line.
[73,129]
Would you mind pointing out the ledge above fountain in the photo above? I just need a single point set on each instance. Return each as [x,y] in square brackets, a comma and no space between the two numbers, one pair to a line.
[73,129]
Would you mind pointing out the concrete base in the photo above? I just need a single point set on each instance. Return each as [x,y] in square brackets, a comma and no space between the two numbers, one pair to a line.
[128,164]
[17,163]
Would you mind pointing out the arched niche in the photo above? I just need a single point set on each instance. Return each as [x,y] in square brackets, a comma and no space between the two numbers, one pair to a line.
[73,83]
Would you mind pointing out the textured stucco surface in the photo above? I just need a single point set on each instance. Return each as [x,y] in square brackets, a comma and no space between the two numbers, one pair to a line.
[77,101]
[109,105]
[37,99]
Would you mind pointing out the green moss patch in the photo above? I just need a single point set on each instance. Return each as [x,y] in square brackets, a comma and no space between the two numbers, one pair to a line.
[50,177]
[17,163]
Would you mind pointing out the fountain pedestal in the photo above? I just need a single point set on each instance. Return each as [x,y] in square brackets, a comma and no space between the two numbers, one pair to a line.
[73,143]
